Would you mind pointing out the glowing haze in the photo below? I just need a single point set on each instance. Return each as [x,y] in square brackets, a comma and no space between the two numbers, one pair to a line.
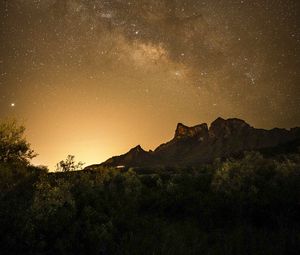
[95,78]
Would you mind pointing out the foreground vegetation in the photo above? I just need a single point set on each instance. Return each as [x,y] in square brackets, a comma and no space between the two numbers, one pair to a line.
[249,206]
[245,206]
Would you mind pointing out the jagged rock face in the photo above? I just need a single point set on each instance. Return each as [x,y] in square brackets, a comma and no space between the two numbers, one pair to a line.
[198,131]
[196,145]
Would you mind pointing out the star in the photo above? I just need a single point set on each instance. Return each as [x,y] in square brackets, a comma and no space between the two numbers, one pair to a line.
[12,105]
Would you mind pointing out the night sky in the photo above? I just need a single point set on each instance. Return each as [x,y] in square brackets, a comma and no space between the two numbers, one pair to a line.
[95,78]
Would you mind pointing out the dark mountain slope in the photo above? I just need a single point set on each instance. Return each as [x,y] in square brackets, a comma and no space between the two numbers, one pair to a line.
[135,157]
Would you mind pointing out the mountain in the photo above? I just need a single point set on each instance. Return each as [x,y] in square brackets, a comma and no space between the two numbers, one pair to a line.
[201,144]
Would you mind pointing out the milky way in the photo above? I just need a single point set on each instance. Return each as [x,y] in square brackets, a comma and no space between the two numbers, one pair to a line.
[94,78]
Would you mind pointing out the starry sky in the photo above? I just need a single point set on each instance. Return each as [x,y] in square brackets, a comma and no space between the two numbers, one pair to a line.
[93,78]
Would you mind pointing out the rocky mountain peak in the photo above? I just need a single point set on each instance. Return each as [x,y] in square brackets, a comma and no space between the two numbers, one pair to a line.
[183,131]
[221,127]
[137,149]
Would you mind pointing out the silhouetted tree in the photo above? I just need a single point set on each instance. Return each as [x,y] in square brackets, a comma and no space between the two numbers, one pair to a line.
[69,165]
[13,145]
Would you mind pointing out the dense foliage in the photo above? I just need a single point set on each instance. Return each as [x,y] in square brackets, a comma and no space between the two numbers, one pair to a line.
[245,206]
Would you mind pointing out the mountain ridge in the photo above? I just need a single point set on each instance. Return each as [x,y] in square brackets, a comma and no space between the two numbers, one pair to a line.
[201,144]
